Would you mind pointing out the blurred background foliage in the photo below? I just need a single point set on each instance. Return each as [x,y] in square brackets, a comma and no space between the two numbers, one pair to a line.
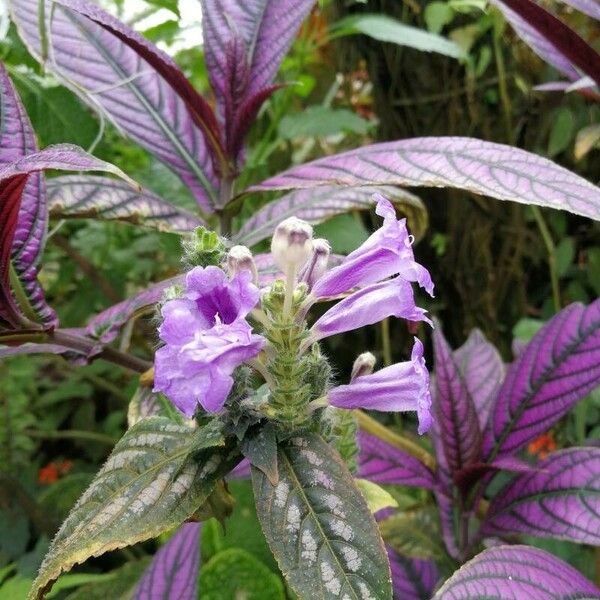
[355,81]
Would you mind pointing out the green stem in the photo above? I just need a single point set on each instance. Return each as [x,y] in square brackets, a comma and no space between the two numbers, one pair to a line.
[502,85]
[551,250]
[386,342]
[375,428]
[72,434]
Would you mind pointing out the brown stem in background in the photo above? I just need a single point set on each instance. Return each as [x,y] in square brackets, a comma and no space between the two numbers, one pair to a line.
[87,267]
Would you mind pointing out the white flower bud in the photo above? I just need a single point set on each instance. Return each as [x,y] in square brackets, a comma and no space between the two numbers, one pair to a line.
[317,263]
[363,365]
[292,244]
[239,258]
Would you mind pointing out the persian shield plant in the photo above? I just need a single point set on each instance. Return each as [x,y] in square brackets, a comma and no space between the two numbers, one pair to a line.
[239,355]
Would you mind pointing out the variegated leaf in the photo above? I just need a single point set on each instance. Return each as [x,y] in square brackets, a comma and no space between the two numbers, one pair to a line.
[318,205]
[124,77]
[157,476]
[319,527]
[412,578]
[88,197]
[494,170]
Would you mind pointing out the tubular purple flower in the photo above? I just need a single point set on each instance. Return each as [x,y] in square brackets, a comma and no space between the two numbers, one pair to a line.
[370,305]
[206,337]
[387,252]
[398,388]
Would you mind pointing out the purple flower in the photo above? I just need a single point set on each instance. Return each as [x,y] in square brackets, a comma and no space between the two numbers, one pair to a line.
[370,305]
[206,337]
[387,252]
[399,388]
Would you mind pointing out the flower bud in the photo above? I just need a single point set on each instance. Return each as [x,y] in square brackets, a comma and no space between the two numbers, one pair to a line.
[239,258]
[317,263]
[363,365]
[292,244]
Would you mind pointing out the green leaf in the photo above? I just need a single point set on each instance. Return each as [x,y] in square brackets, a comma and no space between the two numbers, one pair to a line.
[319,526]
[414,533]
[593,270]
[562,132]
[58,499]
[118,586]
[526,328]
[320,121]
[171,5]
[234,574]
[242,528]
[437,15]
[157,476]
[344,232]
[377,498]
[386,29]
[260,448]
[565,254]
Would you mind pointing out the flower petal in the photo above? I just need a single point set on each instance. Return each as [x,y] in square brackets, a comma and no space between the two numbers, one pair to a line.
[370,305]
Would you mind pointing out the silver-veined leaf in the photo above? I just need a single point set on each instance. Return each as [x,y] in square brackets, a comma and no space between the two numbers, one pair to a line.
[486,168]
[319,526]
[158,475]
[86,197]
[318,205]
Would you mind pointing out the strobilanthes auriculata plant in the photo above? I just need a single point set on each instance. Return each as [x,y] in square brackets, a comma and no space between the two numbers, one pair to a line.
[282,417]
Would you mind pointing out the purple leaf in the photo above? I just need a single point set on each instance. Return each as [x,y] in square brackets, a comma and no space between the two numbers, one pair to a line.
[561,37]
[17,140]
[542,46]
[483,371]
[560,499]
[444,488]
[412,578]
[517,573]
[588,7]
[559,366]
[455,411]
[173,572]
[381,462]
[87,197]
[266,29]
[105,326]
[487,168]
[32,348]
[13,180]
[123,76]
[323,203]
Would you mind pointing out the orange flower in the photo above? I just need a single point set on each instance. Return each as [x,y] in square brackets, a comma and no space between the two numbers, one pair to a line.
[542,446]
[52,471]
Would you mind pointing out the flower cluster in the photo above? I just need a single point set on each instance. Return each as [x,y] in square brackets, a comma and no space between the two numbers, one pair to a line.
[207,333]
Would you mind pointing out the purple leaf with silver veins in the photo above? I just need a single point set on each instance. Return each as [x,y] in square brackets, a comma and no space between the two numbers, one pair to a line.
[385,464]
[541,45]
[173,572]
[105,326]
[316,206]
[559,366]
[412,578]
[17,140]
[455,411]
[93,197]
[516,573]
[267,29]
[494,170]
[483,371]
[124,77]
[560,499]
[13,180]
